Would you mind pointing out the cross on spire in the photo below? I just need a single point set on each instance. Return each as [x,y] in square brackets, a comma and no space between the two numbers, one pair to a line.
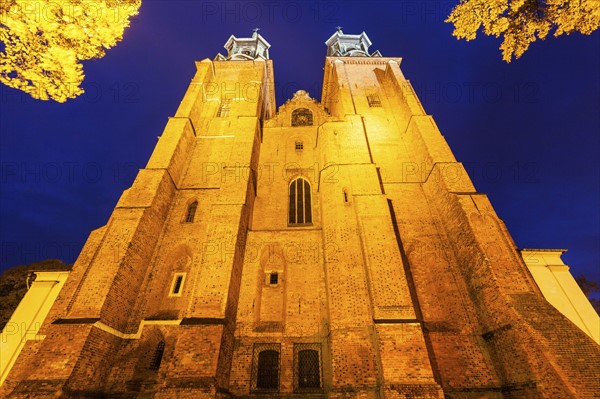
[339,28]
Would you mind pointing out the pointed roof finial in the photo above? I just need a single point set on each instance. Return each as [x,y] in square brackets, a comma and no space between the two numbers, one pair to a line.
[339,28]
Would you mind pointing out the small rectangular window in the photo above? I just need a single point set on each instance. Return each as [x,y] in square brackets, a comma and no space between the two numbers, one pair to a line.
[177,284]
[299,145]
[273,278]
[224,108]
[374,100]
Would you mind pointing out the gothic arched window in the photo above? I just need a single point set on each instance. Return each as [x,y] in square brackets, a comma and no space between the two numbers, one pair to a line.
[308,369]
[302,117]
[191,212]
[300,212]
[267,376]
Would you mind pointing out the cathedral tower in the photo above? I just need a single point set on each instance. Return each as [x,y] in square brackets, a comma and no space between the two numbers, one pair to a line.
[331,249]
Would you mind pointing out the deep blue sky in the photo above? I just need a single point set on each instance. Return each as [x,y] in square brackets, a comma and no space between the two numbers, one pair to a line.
[527,131]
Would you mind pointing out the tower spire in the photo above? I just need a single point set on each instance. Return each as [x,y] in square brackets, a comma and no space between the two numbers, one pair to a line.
[344,45]
[246,48]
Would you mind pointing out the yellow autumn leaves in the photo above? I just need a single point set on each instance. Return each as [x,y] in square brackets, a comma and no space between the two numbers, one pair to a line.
[44,42]
[521,22]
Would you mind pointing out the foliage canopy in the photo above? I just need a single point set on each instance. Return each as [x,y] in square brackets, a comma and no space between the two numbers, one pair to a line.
[42,42]
[521,22]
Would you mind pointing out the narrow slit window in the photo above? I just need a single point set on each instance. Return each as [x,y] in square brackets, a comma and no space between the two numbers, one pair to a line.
[191,212]
[345,196]
[300,208]
[374,100]
[177,284]
[157,356]
[224,108]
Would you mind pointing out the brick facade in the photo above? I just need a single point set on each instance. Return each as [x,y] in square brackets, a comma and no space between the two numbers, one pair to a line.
[405,282]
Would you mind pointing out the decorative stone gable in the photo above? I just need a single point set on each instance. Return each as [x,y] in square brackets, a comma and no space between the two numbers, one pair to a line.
[300,110]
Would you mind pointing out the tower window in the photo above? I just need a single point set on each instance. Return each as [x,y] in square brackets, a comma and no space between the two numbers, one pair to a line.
[157,356]
[300,212]
[345,196]
[274,278]
[268,370]
[177,284]
[299,146]
[374,100]
[191,212]
[307,367]
[302,117]
[224,108]
[265,367]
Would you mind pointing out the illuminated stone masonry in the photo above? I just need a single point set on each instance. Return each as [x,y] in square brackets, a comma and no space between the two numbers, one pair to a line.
[331,249]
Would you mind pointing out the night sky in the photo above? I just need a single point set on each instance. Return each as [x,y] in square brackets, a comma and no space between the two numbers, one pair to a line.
[528,132]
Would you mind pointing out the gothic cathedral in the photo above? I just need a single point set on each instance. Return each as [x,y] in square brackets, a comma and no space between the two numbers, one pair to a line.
[331,249]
